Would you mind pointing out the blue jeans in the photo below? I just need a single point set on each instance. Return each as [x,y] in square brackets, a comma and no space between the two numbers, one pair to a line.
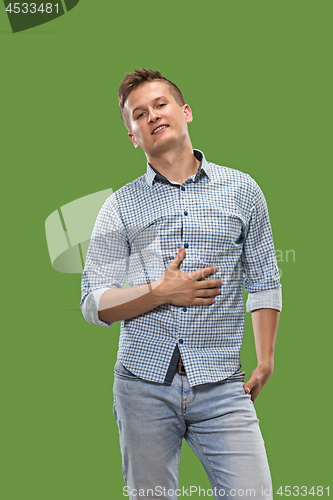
[217,420]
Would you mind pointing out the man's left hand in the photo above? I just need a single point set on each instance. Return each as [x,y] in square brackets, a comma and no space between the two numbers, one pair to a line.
[257,380]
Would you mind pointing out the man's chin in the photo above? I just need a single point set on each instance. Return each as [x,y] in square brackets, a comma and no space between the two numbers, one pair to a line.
[169,142]
[161,147]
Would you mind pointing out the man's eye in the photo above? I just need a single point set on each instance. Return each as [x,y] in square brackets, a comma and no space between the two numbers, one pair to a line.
[160,105]
[141,114]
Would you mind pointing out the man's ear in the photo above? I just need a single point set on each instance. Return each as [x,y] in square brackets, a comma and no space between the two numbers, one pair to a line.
[188,113]
[131,136]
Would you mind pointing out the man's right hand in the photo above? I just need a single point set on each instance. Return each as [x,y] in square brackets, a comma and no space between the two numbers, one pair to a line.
[185,289]
[174,287]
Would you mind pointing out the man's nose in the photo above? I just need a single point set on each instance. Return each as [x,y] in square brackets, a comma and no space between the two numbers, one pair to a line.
[153,115]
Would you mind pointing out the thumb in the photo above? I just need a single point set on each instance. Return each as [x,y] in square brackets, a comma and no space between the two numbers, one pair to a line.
[247,388]
[179,257]
[253,381]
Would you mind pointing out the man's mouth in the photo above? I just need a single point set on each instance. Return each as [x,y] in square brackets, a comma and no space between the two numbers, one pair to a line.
[158,129]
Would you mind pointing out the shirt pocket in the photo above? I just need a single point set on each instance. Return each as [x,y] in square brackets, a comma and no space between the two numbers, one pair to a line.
[222,232]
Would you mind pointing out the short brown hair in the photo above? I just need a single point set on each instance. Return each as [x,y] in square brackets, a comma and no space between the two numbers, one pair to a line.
[139,77]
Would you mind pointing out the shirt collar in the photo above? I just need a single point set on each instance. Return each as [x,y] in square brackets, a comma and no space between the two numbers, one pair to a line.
[153,175]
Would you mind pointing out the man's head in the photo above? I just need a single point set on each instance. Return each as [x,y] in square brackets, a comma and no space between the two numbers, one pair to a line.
[137,78]
[154,112]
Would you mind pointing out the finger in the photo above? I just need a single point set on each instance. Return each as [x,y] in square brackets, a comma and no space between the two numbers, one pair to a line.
[247,388]
[200,301]
[179,257]
[209,284]
[208,292]
[250,390]
[203,273]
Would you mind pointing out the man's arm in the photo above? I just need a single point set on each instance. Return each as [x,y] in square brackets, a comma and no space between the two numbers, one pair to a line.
[265,324]
[174,287]
[262,282]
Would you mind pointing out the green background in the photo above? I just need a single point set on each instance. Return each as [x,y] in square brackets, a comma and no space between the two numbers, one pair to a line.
[258,76]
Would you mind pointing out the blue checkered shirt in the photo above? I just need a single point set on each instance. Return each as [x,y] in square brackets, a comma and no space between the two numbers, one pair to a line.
[220,216]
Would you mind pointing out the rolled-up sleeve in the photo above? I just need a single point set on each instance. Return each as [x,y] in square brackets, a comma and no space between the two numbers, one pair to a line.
[268,299]
[106,260]
[261,274]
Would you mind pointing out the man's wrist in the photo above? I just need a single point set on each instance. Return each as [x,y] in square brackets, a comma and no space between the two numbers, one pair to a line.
[156,293]
[267,366]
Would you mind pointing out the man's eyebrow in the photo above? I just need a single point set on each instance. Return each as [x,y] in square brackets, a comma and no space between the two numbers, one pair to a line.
[157,99]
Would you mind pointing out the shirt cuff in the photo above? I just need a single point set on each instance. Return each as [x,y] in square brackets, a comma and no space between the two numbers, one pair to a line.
[90,305]
[266,299]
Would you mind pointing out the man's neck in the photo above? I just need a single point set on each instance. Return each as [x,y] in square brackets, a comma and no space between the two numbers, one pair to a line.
[176,165]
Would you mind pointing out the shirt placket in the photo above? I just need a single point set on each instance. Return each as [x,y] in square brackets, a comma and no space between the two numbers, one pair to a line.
[185,312]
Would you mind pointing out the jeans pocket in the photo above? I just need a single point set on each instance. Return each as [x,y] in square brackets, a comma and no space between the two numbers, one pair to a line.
[121,371]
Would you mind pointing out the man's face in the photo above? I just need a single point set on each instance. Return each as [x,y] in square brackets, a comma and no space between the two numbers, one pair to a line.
[157,122]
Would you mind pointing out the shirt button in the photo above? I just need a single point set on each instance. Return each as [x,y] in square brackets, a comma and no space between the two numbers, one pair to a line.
[186,245]
[184,309]
[185,213]
[180,341]
[182,188]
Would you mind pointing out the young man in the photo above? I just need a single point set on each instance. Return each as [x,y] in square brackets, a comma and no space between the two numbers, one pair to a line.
[187,235]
